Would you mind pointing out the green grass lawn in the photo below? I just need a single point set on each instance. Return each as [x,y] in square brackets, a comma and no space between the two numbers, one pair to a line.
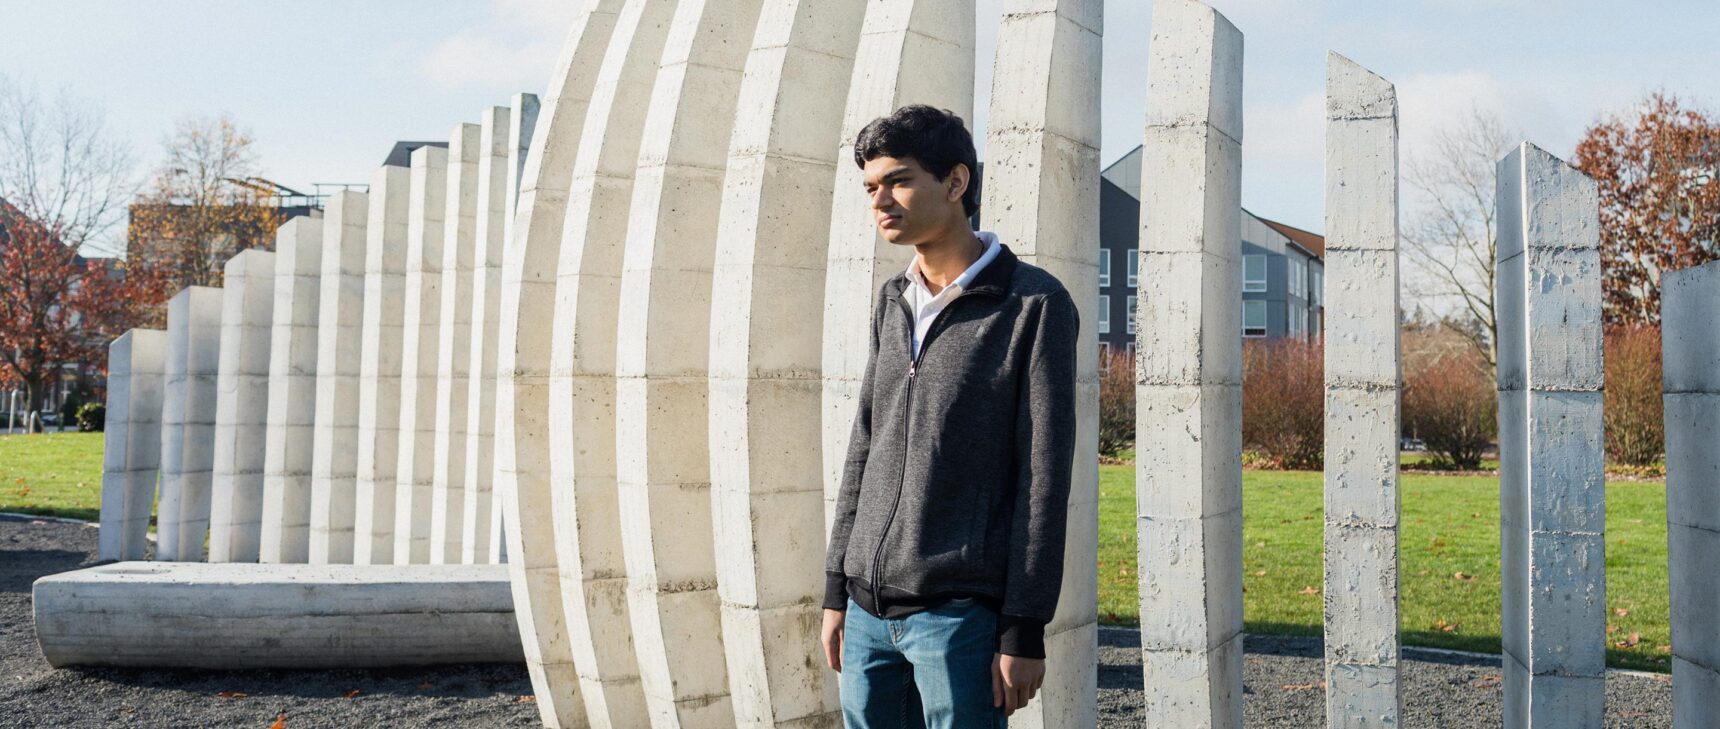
[1450,526]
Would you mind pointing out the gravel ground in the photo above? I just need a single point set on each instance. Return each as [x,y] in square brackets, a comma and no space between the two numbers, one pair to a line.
[1281,678]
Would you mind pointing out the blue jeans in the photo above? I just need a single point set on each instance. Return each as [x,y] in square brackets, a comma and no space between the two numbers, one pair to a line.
[929,670]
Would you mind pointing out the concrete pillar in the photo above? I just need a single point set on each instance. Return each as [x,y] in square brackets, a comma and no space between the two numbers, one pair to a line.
[421,326]
[453,347]
[1188,423]
[131,446]
[340,337]
[764,422]
[899,39]
[1362,418]
[660,365]
[381,348]
[522,442]
[1041,197]
[1552,479]
[242,407]
[290,431]
[188,423]
[1690,333]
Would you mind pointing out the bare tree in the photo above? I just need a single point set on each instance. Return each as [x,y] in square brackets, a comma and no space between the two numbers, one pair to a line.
[61,167]
[204,203]
[1449,236]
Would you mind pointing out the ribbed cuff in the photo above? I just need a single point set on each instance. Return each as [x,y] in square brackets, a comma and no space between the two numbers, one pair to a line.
[1020,636]
[835,591]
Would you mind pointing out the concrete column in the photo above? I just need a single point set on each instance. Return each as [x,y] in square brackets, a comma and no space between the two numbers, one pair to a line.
[242,407]
[505,133]
[661,365]
[340,336]
[290,431]
[131,446]
[381,348]
[1041,197]
[899,40]
[1690,344]
[1188,423]
[421,326]
[188,423]
[1552,479]
[453,347]
[522,438]
[765,413]
[582,444]
[1362,419]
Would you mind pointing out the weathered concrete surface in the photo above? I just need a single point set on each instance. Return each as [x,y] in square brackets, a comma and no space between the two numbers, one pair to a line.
[289,435]
[131,446]
[522,444]
[661,363]
[1189,373]
[1690,343]
[381,346]
[242,616]
[421,323]
[1551,469]
[898,39]
[188,423]
[1041,198]
[340,338]
[453,346]
[242,406]
[1362,386]
[765,410]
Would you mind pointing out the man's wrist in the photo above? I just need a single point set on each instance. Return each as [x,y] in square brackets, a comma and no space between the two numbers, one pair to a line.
[1019,636]
[835,591]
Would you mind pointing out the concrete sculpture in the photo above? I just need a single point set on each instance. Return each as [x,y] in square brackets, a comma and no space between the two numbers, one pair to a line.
[1188,394]
[188,423]
[242,407]
[290,431]
[420,325]
[1362,385]
[381,347]
[1552,479]
[340,337]
[131,452]
[1690,342]
[453,350]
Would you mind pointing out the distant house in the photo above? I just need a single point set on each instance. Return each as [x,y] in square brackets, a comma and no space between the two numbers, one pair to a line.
[1283,268]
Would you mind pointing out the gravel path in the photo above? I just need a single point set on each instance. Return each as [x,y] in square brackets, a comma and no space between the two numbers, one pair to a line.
[1281,677]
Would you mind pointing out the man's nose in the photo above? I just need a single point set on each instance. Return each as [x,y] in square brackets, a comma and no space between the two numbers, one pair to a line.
[881,198]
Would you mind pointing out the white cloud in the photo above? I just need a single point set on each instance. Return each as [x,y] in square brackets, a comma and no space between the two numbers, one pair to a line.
[515,47]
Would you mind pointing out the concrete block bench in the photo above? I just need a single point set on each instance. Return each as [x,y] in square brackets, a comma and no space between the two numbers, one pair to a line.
[227,616]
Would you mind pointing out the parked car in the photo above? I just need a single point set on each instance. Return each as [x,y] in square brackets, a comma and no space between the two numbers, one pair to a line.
[1411,444]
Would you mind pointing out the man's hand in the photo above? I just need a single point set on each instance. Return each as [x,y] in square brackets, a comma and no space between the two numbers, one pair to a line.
[1014,680]
[832,637]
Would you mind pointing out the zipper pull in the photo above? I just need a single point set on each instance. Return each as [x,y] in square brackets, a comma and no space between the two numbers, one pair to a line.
[912,368]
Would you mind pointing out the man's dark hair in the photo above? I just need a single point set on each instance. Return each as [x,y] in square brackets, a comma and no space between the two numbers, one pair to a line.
[935,138]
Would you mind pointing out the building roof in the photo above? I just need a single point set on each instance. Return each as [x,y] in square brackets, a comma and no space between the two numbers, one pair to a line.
[401,154]
[1313,243]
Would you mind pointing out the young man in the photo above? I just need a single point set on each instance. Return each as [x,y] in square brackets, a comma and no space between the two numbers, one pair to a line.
[946,554]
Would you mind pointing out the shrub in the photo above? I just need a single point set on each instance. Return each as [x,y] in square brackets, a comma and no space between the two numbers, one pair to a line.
[1283,402]
[1116,403]
[1635,432]
[1452,405]
[92,417]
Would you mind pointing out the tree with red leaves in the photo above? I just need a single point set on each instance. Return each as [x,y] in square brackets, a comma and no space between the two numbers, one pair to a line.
[1659,178]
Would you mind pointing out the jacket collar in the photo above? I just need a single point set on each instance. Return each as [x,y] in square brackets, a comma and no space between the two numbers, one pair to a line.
[992,280]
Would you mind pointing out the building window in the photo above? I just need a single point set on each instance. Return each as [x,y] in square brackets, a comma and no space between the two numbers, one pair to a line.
[1104,267]
[1290,326]
[1314,325]
[1253,273]
[1315,284]
[1131,315]
[1134,267]
[1298,273]
[1104,314]
[1254,318]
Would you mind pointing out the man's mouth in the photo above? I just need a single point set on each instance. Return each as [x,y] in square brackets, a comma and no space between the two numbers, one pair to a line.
[886,221]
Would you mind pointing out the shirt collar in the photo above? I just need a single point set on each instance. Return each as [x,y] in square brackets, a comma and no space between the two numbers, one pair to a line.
[962,282]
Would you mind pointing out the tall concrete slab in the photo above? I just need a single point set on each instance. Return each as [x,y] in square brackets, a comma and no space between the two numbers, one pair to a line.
[1189,372]
[661,363]
[899,39]
[242,406]
[453,346]
[595,589]
[381,348]
[188,423]
[1362,386]
[1552,509]
[1690,344]
[1041,198]
[421,324]
[765,409]
[289,435]
[131,446]
[528,301]
[340,338]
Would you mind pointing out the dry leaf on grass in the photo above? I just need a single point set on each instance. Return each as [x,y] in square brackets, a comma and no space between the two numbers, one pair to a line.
[1309,590]
[1461,576]
[1444,626]
[1621,612]
[1487,681]
[1299,686]
[528,699]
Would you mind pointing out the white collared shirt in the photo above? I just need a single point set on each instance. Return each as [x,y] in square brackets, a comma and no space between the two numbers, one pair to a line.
[926,305]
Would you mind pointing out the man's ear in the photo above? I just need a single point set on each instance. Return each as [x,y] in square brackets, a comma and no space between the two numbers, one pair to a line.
[957,183]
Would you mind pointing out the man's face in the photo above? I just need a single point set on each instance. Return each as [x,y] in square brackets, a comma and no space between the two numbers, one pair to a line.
[910,205]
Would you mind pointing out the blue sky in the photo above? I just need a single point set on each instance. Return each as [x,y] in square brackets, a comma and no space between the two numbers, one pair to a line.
[327,85]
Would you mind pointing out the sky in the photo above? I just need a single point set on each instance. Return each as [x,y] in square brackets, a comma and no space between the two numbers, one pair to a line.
[327,86]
